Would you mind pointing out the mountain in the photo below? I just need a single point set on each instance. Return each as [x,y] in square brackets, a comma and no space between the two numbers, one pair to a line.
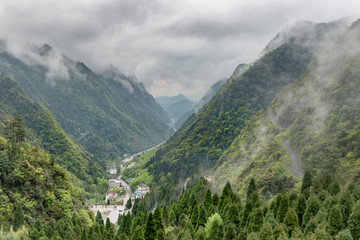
[230,134]
[109,114]
[32,145]
[176,106]
[47,133]
[312,124]
[308,34]
[198,145]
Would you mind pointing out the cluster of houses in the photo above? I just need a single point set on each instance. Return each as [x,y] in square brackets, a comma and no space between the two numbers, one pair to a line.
[141,190]
[111,169]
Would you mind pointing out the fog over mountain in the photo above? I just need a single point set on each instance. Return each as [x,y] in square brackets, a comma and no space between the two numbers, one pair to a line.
[174,47]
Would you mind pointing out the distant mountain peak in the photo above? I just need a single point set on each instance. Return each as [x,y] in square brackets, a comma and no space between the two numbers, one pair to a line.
[45,49]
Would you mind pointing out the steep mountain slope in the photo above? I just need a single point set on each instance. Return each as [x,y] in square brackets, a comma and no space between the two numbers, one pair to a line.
[203,138]
[309,34]
[109,114]
[316,118]
[46,132]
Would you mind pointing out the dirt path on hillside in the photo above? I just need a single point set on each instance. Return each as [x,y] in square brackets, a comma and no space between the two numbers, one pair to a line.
[295,167]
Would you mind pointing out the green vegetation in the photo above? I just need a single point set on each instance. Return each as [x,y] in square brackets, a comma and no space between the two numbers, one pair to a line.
[203,138]
[108,114]
[45,132]
[33,186]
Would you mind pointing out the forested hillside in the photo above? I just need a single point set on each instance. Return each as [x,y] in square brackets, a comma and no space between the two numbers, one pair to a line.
[203,138]
[317,116]
[109,114]
[45,132]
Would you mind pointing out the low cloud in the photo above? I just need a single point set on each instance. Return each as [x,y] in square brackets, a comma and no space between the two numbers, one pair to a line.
[191,44]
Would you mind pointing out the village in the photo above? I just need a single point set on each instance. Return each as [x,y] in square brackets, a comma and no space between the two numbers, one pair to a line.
[120,197]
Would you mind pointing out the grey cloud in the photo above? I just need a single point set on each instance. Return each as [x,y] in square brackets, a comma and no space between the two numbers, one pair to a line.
[171,46]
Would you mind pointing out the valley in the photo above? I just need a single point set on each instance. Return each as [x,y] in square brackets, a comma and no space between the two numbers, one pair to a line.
[270,152]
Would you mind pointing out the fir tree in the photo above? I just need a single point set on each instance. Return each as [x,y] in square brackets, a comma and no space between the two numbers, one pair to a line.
[202,216]
[301,208]
[307,181]
[266,232]
[195,215]
[200,234]
[283,207]
[291,220]
[311,210]
[346,205]
[251,188]
[230,232]
[208,201]
[335,221]
[138,234]
[214,228]
[344,235]
[256,220]
[354,221]
[159,226]
[128,204]
[150,230]
[18,217]
[99,218]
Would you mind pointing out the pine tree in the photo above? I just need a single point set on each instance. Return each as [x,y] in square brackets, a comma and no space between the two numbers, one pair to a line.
[99,218]
[138,234]
[307,181]
[150,230]
[256,220]
[346,205]
[195,215]
[200,234]
[18,217]
[335,221]
[230,232]
[214,228]
[291,220]
[215,200]
[128,204]
[266,232]
[283,207]
[253,236]
[159,225]
[165,215]
[202,216]
[344,235]
[208,201]
[251,188]
[311,210]
[301,208]
[354,221]
[108,226]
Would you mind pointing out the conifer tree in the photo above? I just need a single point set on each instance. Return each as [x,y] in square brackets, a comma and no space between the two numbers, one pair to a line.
[195,215]
[214,228]
[138,234]
[108,226]
[230,232]
[335,221]
[128,204]
[344,235]
[208,201]
[200,234]
[165,215]
[291,220]
[99,218]
[159,225]
[354,221]
[346,205]
[253,236]
[251,188]
[256,220]
[150,230]
[311,210]
[307,181]
[266,232]
[18,217]
[283,207]
[202,216]
[301,208]
[233,215]
[215,200]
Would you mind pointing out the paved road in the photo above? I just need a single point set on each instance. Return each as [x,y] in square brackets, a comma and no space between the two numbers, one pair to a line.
[128,159]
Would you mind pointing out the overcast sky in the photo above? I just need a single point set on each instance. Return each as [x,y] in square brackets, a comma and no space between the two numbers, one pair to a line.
[173,47]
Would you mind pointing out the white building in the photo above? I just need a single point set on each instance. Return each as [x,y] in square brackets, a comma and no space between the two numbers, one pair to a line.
[114,183]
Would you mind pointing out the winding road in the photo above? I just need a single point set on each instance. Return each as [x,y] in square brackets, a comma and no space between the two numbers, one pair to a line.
[295,168]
